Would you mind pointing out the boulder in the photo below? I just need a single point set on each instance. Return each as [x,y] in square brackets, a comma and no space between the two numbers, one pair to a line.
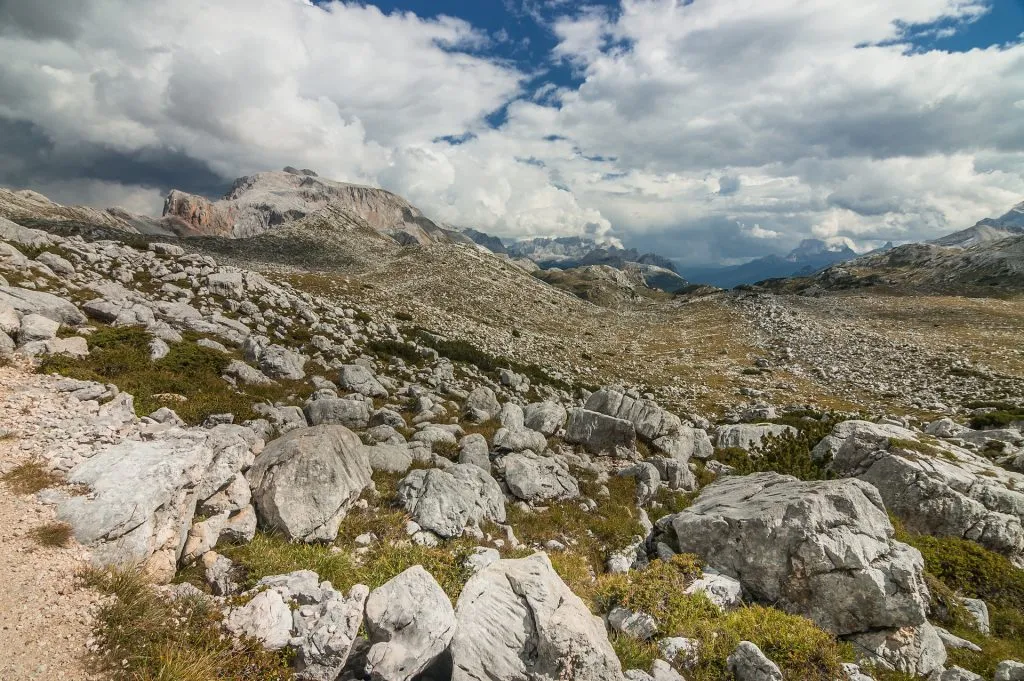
[751,436]
[228,285]
[915,650]
[50,306]
[481,404]
[546,418]
[410,623]
[748,663]
[142,499]
[1010,670]
[358,379]
[278,361]
[35,327]
[389,458]
[247,374]
[338,411]
[821,549]
[517,621]
[936,488]
[511,416]
[447,501]
[686,444]
[649,420]
[598,433]
[304,482]
[266,618]
[955,673]
[536,478]
[473,450]
[518,439]
[10,320]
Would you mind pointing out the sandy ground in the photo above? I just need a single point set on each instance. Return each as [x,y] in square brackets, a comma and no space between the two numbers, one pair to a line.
[45,618]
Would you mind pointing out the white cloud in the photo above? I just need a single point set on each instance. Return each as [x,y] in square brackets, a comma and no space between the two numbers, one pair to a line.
[799,117]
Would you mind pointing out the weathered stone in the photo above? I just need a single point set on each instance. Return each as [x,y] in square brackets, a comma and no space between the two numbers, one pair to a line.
[598,433]
[304,482]
[649,420]
[546,418]
[358,379]
[536,478]
[410,622]
[911,650]
[748,663]
[821,549]
[447,501]
[338,411]
[517,621]
[751,436]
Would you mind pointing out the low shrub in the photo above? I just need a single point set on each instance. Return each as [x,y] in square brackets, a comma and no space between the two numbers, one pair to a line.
[121,356]
[801,650]
[54,535]
[30,477]
[787,454]
[997,419]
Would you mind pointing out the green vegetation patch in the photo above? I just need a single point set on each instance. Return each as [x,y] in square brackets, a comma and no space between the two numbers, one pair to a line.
[787,454]
[801,650]
[144,636]
[121,356]
[1001,418]
[963,568]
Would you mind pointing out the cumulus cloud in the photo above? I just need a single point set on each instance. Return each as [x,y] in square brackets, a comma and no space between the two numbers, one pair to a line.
[687,120]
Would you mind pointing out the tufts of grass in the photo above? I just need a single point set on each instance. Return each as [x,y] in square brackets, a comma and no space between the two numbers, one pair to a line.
[121,356]
[53,535]
[915,446]
[392,348]
[31,477]
[143,636]
[448,450]
[591,534]
[800,649]
[269,554]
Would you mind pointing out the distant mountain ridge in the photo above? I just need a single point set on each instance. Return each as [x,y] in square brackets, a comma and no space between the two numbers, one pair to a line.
[809,257]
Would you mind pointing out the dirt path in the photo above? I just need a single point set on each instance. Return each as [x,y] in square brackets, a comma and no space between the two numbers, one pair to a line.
[44,615]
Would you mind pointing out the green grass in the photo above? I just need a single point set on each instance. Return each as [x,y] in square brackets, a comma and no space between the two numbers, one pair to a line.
[31,477]
[121,356]
[801,650]
[915,446]
[591,534]
[143,636]
[997,419]
[961,567]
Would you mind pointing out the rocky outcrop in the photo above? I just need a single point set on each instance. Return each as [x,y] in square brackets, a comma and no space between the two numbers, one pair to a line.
[600,434]
[410,622]
[517,621]
[358,379]
[535,478]
[447,501]
[143,496]
[748,663]
[751,436]
[649,420]
[820,549]
[304,482]
[546,418]
[935,487]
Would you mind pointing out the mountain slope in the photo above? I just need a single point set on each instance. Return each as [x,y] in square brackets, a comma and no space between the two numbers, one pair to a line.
[264,201]
[989,229]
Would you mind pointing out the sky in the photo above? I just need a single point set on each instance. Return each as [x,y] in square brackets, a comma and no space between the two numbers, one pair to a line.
[704,130]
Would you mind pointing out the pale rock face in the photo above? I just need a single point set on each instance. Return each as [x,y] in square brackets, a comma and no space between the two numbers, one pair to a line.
[266,618]
[535,478]
[511,416]
[751,436]
[229,285]
[517,621]
[359,379]
[482,403]
[338,411]
[304,482]
[473,450]
[598,433]
[410,622]
[723,591]
[936,488]
[1010,670]
[649,420]
[911,650]
[748,663]
[821,549]
[686,444]
[27,302]
[519,439]
[144,496]
[389,458]
[448,501]
[546,418]
[35,327]
[278,361]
